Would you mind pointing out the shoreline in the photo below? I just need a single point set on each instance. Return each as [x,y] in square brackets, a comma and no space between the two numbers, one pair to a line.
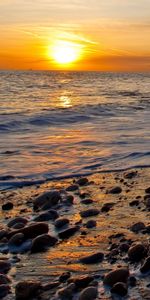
[111,228]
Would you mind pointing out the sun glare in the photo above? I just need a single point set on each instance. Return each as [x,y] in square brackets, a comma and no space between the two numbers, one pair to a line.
[65,52]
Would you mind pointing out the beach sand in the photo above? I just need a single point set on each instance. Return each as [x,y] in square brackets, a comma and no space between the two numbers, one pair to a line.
[111,234]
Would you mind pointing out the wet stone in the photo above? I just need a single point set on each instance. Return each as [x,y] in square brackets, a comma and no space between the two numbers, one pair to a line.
[92,259]
[87,201]
[16,220]
[64,276]
[107,206]
[50,215]
[67,292]
[90,224]
[7,206]
[4,290]
[47,200]
[42,242]
[115,190]
[89,293]
[60,222]
[65,234]
[26,289]
[136,252]
[72,188]
[134,203]
[132,281]
[137,227]
[115,276]
[82,282]
[31,231]
[5,266]
[147,190]
[145,268]
[120,289]
[82,181]
[4,279]
[89,213]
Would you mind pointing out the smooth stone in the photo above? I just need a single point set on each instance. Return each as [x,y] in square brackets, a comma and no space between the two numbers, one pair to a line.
[18,226]
[134,203]
[145,268]
[60,222]
[24,290]
[120,289]
[64,276]
[124,247]
[72,188]
[16,220]
[147,191]
[147,203]
[4,279]
[42,242]
[89,293]
[16,239]
[132,281]
[4,290]
[5,266]
[130,175]
[3,233]
[136,252]
[89,213]
[117,275]
[69,200]
[65,234]
[92,259]
[87,201]
[67,292]
[82,181]
[47,216]
[7,206]
[31,231]
[107,206]
[82,282]
[115,190]
[90,224]
[48,199]
[137,227]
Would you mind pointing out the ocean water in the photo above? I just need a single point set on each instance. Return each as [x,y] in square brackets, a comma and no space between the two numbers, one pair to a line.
[61,124]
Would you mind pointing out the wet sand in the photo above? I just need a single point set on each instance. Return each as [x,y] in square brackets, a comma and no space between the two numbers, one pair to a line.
[116,211]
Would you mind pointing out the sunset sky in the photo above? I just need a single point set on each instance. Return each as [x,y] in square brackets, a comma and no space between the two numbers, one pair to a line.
[111,35]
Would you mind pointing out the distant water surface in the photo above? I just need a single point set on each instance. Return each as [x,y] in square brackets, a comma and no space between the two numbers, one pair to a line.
[57,124]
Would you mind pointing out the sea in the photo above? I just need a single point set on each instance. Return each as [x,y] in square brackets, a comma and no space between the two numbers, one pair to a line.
[63,124]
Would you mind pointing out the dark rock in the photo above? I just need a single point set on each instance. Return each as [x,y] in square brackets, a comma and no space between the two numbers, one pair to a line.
[31,231]
[67,292]
[47,200]
[7,206]
[16,220]
[69,200]
[82,282]
[115,276]
[92,259]
[50,215]
[134,203]
[4,266]
[72,188]
[137,227]
[89,293]
[60,222]
[4,279]
[145,268]
[3,233]
[147,191]
[89,213]
[107,206]
[87,201]
[42,242]
[115,190]
[120,289]
[17,239]
[4,290]
[90,224]
[136,252]
[26,289]
[65,234]
[82,181]
[50,286]
[124,247]
[130,175]
[64,276]
[132,281]
[18,225]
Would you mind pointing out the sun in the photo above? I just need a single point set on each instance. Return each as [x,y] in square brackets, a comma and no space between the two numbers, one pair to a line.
[64,52]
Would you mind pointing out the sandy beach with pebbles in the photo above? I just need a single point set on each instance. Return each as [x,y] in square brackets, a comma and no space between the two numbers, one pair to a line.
[80,239]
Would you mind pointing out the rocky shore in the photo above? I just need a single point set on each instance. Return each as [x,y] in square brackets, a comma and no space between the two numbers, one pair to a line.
[81,239]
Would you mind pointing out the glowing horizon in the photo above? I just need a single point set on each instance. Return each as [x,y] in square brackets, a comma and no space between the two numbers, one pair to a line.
[98,35]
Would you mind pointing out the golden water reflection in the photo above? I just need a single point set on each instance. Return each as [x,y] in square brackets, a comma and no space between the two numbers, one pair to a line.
[65,101]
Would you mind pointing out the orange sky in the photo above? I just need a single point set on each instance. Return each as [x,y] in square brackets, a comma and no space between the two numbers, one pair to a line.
[111,35]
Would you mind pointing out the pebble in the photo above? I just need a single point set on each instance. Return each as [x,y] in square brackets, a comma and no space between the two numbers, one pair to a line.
[16,239]
[82,181]
[92,259]
[4,290]
[72,188]
[137,227]
[5,266]
[50,215]
[117,275]
[136,252]
[4,279]
[134,203]
[147,191]
[87,201]
[130,175]
[67,292]
[82,282]
[89,213]
[7,206]
[89,293]
[90,224]
[48,199]
[120,289]
[107,206]
[26,289]
[132,281]
[145,268]
[115,190]
[42,242]
[60,222]
[64,276]
[67,233]
[16,220]
[31,231]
